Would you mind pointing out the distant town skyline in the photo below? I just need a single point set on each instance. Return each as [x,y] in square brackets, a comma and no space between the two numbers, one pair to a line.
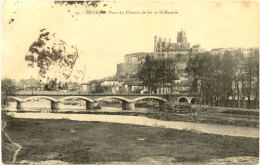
[103,40]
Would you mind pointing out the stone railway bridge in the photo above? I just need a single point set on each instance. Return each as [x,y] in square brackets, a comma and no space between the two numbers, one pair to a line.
[128,101]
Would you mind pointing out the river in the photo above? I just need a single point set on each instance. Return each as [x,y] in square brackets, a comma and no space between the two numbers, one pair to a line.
[140,120]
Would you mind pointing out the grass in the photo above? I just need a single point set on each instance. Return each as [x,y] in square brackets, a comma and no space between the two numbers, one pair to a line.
[91,142]
[239,112]
[210,118]
[8,150]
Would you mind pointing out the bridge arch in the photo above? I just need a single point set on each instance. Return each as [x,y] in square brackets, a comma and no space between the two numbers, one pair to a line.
[114,97]
[16,98]
[183,99]
[41,97]
[77,97]
[149,97]
[193,100]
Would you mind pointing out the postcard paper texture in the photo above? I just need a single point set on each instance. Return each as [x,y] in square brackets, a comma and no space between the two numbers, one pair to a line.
[130,82]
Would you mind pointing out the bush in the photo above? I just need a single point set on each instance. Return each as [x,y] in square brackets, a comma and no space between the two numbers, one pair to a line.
[8,89]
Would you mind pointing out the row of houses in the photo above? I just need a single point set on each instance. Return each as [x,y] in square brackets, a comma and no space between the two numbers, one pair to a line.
[113,86]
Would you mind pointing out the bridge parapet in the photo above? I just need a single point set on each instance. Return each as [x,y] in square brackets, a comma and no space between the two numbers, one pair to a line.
[90,98]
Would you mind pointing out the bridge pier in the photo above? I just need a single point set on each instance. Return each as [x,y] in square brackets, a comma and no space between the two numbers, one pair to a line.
[161,103]
[54,105]
[123,105]
[89,105]
[128,105]
[19,105]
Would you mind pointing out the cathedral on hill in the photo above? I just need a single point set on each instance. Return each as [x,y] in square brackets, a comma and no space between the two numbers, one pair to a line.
[165,48]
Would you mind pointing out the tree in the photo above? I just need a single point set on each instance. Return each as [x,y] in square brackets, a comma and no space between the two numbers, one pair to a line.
[250,77]
[237,77]
[52,57]
[197,68]
[8,88]
[145,73]
[212,77]
[255,68]
[97,88]
[166,72]
[226,75]
[157,74]
[193,71]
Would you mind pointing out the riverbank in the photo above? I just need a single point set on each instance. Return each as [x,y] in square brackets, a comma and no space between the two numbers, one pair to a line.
[81,142]
[202,116]
[141,120]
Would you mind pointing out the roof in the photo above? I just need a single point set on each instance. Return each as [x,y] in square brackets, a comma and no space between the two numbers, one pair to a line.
[139,54]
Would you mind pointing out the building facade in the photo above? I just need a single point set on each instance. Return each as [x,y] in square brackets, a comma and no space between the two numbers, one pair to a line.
[165,48]
[132,63]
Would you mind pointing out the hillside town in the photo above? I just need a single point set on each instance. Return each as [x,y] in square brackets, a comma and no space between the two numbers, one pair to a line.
[128,80]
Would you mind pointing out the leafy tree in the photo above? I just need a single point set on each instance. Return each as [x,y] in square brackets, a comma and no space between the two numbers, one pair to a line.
[212,77]
[165,72]
[255,68]
[226,72]
[250,77]
[145,73]
[197,68]
[157,74]
[97,86]
[194,69]
[8,88]
[52,57]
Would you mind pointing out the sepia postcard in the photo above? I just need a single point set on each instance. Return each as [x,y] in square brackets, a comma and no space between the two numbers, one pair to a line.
[130,82]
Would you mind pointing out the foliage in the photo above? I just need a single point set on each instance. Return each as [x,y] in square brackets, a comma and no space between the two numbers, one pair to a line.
[216,78]
[250,77]
[53,57]
[8,88]
[157,73]
[21,84]
[212,76]
[96,86]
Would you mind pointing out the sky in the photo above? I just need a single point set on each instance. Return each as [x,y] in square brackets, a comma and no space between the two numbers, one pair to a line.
[103,39]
